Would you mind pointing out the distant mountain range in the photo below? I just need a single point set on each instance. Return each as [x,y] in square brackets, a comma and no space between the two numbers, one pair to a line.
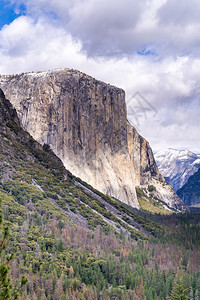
[179,167]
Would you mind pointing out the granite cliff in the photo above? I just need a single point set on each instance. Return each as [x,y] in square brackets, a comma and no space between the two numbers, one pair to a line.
[84,122]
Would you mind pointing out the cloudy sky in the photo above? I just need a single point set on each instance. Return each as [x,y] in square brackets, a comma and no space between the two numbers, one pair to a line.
[150,48]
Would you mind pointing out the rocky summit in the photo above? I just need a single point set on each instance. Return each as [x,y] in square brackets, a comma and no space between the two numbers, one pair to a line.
[84,121]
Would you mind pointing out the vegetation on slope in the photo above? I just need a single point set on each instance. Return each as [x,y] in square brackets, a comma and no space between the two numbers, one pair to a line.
[150,203]
[61,259]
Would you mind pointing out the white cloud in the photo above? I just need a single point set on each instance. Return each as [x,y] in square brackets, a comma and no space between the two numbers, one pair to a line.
[102,39]
[26,45]
[124,26]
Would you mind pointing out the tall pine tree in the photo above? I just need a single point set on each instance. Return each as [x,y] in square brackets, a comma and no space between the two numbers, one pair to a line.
[179,292]
[5,284]
[7,292]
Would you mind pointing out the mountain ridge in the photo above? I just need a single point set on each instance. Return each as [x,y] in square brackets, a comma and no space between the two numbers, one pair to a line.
[177,165]
[190,191]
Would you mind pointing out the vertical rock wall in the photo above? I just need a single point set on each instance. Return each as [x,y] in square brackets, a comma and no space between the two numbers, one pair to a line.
[85,123]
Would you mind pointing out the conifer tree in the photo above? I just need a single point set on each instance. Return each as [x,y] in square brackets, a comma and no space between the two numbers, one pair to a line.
[7,292]
[5,284]
[179,292]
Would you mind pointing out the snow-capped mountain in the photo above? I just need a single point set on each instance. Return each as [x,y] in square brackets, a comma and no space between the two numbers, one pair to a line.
[177,165]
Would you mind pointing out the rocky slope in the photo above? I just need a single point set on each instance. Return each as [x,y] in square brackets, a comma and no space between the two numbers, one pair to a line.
[84,122]
[177,166]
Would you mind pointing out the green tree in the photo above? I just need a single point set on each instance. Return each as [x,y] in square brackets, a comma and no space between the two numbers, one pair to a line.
[5,284]
[6,289]
[179,292]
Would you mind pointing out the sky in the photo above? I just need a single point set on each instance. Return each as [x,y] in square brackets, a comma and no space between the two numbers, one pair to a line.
[150,48]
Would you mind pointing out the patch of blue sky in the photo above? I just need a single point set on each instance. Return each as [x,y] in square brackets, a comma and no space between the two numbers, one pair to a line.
[147,52]
[9,12]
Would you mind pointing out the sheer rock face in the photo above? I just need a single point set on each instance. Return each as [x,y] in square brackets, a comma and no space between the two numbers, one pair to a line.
[84,122]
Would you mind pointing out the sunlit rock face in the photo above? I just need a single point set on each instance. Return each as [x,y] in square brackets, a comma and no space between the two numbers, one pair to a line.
[84,121]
